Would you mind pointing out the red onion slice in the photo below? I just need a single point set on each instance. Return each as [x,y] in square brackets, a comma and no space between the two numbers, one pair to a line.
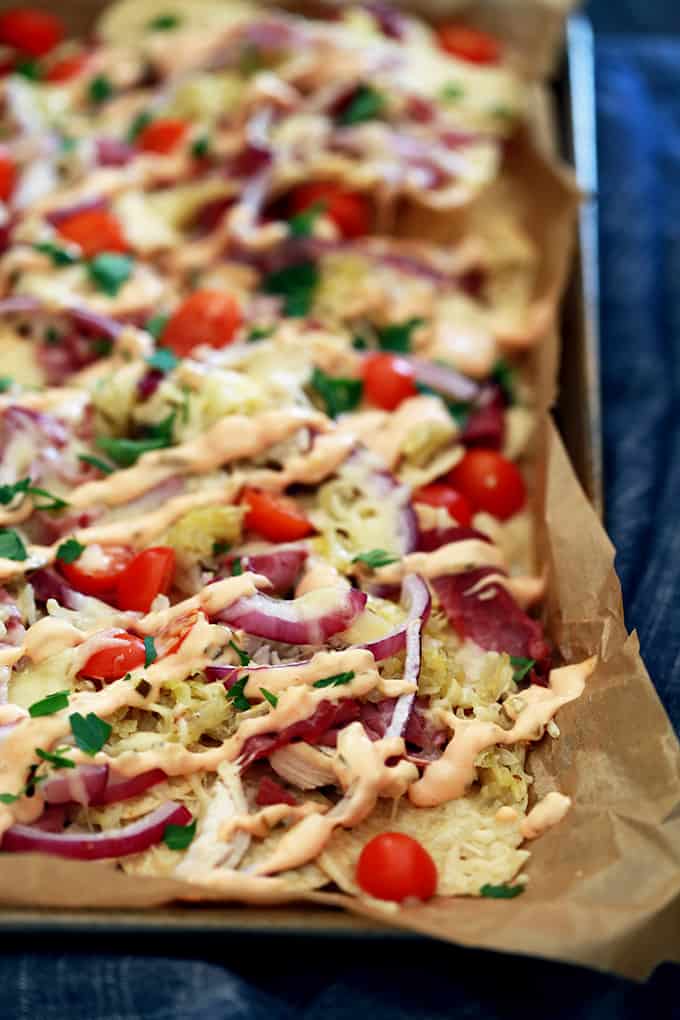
[84,318]
[434,538]
[281,567]
[412,667]
[415,597]
[113,152]
[57,216]
[118,789]
[283,620]
[132,839]
[386,487]
[445,380]
[81,785]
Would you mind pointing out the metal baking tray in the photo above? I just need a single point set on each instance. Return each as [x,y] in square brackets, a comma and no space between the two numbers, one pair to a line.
[578,416]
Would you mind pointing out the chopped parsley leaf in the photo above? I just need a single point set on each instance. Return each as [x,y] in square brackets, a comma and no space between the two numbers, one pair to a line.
[296,286]
[60,256]
[100,89]
[179,837]
[96,462]
[236,694]
[30,69]
[258,333]
[521,667]
[24,488]
[268,696]
[150,653]
[397,337]
[126,452]
[90,732]
[49,705]
[201,147]
[70,550]
[338,680]
[220,548]
[501,892]
[236,567]
[164,22]
[52,336]
[251,60]
[302,224]
[366,104]
[376,558]
[6,383]
[163,359]
[109,271]
[338,394]
[9,798]
[57,760]
[156,324]
[359,344]
[244,658]
[12,546]
[502,112]
[138,124]
[452,91]
[504,375]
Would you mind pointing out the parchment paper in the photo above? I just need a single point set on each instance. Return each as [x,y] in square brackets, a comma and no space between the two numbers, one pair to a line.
[604,886]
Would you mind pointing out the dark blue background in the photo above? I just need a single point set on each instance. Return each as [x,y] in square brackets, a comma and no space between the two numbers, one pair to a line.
[638,95]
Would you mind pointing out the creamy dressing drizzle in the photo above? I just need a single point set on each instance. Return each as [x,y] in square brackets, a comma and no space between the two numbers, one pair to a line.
[449,777]
[546,813]
[454,558]
[260,823]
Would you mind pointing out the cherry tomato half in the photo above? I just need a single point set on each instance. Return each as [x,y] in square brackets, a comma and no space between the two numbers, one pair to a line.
[393,866]
[206,317]
[469,44]
[388,379]
[101,580]
[149,574]
[8,176]
[491,482]
[30,31]
[162,135]
[95,231]
[66,68]
[349,210]
[438,494]
[114,662]
[275,517]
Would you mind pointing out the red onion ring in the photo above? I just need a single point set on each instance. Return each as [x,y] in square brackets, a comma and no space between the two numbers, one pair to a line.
[97,324]
[445,380]
[415,596]
[281,620]
[57,216]
[117,789]
[82,846]
[81,785]
[281,567]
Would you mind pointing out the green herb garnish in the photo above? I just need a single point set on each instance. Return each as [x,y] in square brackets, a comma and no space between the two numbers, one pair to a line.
[501,892]
[200,148]
[6,383]
[52,336]
[244,658]
[359,344]
[49,705]
[376,558]
[220,548]
[24,488]
[138,124]
[302,224]
[59,256]
[70,550]
[164,22]
[398,336]
[236,694]
[452,91]
[126,452]
[101,465]
[9,798]
[100,89]
[366,104]
[57,760]
[90,732]
[150,653]
[521,667]
[338,394]
[179,837]
[338,680]
[504,375]
[268,696]
[163,359]
[12,546]
[109,271]
[258,333]
[156,324]
[295,285]
[236,567]
[30,69]
[251,60]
